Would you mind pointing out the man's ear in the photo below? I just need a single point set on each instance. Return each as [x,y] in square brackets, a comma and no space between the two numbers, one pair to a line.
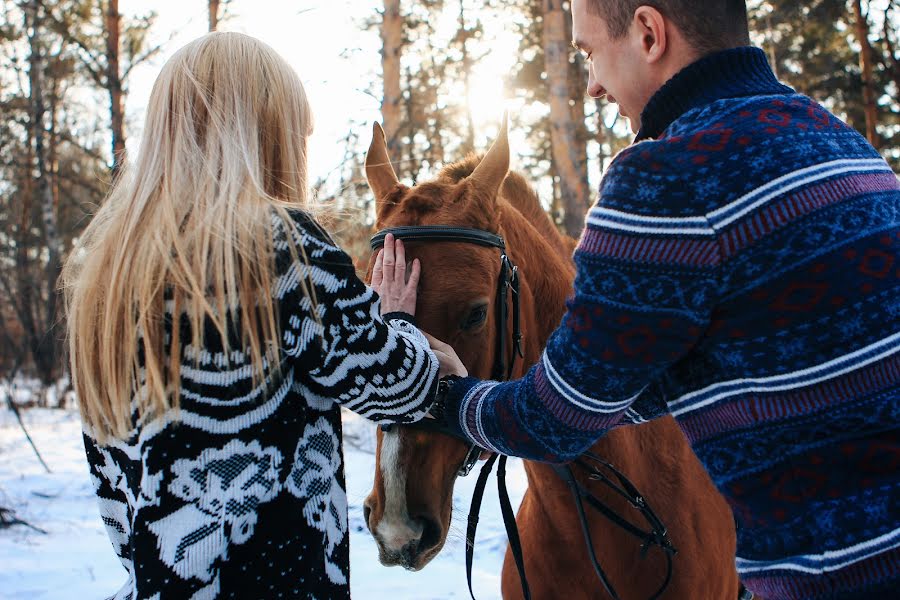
[651,25]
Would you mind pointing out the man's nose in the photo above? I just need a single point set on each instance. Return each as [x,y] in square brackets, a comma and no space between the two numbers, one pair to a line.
[594,89]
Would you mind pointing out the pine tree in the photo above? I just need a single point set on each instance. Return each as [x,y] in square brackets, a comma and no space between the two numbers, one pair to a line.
[50,180]
[108,48]
[816,48]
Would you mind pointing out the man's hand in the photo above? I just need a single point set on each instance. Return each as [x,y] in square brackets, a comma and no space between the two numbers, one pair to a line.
[390,279]
[446,355]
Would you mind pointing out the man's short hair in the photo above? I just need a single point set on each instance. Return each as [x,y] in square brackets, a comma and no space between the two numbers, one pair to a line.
[708,26]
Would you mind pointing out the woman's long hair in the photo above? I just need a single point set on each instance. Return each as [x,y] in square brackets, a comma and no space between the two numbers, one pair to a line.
[189,222]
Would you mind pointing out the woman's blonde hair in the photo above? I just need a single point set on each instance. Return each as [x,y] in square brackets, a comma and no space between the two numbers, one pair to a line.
[223,151]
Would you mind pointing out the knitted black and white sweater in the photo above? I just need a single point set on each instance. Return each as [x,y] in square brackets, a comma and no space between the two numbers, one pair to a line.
[243,495]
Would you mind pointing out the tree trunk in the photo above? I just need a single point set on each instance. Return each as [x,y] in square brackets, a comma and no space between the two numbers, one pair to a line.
[114,85]
[21,297]
[469,140]
[44,346]
[213,14]
[773,54]
[892,63]
[865,61]
[392,46]
[436,121]
[411,163]
[603,135]
[569,153]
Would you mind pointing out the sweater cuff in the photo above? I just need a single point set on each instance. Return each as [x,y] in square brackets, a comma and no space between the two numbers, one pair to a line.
[454,405]
[399,316]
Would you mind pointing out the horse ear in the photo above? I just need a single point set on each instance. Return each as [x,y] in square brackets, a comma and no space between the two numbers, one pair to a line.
[379,171]
[490,173]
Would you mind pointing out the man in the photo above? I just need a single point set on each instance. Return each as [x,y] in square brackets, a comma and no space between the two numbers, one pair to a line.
[740,271]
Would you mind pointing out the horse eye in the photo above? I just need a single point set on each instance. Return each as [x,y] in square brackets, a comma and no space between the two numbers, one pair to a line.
[476,317]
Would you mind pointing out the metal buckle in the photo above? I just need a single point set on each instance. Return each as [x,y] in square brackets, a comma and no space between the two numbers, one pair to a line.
[469,461]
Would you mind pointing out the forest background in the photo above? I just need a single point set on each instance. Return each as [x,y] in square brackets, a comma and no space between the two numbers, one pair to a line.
[75,76]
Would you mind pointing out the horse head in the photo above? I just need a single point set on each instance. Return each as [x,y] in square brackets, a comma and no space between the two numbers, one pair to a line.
[409,508]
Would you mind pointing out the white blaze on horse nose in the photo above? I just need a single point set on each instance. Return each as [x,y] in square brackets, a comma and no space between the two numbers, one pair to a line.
[399,536]
[395,529]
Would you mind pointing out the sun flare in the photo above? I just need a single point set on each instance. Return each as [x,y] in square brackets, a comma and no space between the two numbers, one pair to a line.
[487,99]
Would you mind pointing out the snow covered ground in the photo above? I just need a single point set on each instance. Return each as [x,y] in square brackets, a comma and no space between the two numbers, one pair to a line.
[75,560]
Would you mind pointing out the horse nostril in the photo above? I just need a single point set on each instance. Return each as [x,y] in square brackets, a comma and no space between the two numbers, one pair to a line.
[367,512]
[431,534]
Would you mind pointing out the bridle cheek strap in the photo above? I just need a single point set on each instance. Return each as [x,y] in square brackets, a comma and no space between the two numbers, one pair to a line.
[507,284]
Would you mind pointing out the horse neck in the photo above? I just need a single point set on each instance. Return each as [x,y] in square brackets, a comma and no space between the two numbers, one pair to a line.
[546,275]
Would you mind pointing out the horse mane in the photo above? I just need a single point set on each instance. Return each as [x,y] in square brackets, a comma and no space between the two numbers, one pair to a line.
[519,194]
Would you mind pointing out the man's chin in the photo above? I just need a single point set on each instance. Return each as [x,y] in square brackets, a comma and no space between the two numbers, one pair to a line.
[634,124]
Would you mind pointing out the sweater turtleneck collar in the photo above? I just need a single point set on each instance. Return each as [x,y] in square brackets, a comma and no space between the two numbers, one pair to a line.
[734,73]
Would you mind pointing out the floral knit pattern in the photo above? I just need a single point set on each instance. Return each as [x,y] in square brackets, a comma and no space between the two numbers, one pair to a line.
[243,496]
[317,463]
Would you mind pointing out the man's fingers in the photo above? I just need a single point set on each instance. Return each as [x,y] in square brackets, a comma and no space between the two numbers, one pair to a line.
[378,269]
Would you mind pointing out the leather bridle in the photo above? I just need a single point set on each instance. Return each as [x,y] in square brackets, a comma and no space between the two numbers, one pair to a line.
[507,285]
[507,281]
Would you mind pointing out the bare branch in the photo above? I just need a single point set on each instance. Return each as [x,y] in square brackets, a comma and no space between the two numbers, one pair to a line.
[15,409]
[142,58]
[7,519]
[86,56]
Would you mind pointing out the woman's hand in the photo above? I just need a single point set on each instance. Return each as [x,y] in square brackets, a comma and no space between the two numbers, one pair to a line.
[446,355]
[390,279]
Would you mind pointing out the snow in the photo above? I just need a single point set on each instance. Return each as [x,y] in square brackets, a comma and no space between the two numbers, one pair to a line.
[74,559]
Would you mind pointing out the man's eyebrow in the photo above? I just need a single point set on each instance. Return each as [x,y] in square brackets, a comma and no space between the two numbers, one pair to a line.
[578,45]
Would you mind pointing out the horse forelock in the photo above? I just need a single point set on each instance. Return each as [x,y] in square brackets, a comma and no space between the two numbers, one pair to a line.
[439,201]
[456,172]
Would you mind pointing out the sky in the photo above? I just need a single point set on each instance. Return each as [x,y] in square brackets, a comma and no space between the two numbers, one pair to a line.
[325,41]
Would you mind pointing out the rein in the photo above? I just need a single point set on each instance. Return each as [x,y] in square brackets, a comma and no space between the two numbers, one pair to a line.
[508,281]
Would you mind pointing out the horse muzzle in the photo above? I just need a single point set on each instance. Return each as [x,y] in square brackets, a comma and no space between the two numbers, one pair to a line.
[409,543]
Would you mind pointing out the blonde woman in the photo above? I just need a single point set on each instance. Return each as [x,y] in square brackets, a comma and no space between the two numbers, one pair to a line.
[215,330]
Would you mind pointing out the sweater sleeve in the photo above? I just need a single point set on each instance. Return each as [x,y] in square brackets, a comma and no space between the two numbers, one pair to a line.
[341,348]
[643,296]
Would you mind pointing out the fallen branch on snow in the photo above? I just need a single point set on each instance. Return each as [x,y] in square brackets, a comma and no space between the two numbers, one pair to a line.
[8,519]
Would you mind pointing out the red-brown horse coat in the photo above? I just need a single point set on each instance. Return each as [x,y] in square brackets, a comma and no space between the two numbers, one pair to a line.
[655,456]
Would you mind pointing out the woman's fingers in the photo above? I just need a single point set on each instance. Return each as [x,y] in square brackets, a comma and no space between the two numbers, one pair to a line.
[450,364]
[438,345]
[389,259]
[378,270]
[396,292]
[413,282]
[434,342]
[399,262]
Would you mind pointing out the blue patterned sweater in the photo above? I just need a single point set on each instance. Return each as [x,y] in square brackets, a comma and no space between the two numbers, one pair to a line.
[740,271]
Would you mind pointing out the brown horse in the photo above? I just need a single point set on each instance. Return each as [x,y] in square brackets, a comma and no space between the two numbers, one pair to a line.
[408,510]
